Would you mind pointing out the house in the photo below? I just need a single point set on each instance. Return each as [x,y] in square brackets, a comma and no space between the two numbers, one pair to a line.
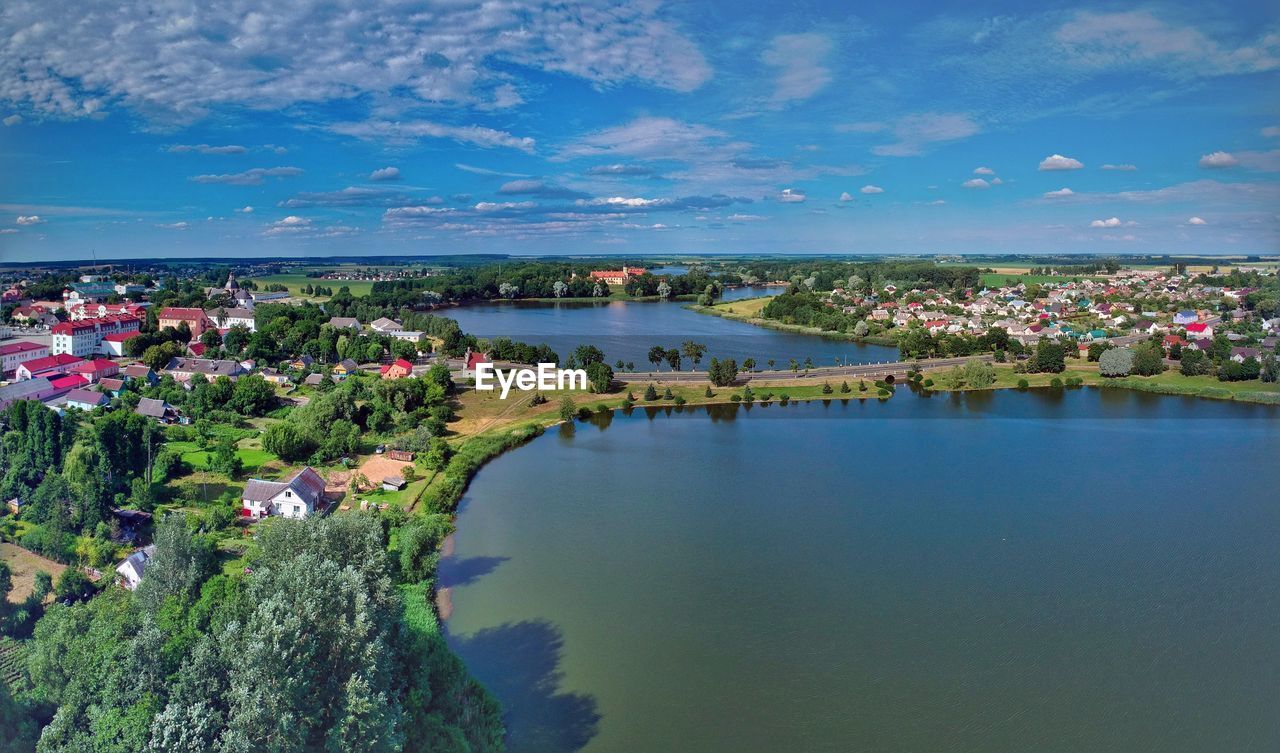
[15,505]
[195,319]
[48,366]
[302,362]
[392,483]
[64,384]
[385,325]
[1170,341]
[182,369]
[12,354]
[39,388]
[275,377]
[133,566]
[397,369]
[113,344]
[1240,355]
[226,318]
[296,498]
[344,322]
[1200,331]
[345,368]
[86,399]
[140,372]
[469,361]
[95,369]
[112,385]
[157,409]
[313,379]
[617,276]
[1185,316]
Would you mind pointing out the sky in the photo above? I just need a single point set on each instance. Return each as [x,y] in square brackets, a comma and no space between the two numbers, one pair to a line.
[347,127]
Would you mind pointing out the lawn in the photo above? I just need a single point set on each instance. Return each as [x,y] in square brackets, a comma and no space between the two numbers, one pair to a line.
[251,458]
[745,306]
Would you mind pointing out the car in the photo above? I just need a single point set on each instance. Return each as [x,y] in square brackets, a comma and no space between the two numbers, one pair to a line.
[380,449]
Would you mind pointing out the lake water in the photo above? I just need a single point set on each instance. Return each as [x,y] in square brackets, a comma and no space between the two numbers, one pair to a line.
[626,330]
[1059,572]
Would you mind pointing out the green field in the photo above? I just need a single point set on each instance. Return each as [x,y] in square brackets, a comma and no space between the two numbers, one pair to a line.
[296,281]
[997,279]
[251,458]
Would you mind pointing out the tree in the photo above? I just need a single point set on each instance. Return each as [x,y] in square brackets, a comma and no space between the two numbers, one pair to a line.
[72,584]
[1050,357]
[656,355]
[1195,363]
[568,409]
[286,441]
[722,373]
[599,376]
[979,374]
[673,359]
[560,288]
[586,355]
[181,562]
[861,329]
[749,364]
[1148,359]
[1116,362]
[664,289]
[1097,348]
[693,351]
[650,393]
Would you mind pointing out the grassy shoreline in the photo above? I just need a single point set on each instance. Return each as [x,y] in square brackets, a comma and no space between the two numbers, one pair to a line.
[727,311]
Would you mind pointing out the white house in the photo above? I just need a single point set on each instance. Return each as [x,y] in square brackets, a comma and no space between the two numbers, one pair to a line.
[296,498]
[131,569]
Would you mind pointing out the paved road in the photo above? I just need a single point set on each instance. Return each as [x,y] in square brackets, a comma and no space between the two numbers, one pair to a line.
[876,370]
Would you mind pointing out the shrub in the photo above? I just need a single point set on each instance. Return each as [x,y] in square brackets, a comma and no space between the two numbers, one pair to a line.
[708,393]
[666,394]
[1023,384]
[679,400]
[844,388]
[1056,382]
[1115,362]
[650,393]
[882,392]
[826,388]
[735,397]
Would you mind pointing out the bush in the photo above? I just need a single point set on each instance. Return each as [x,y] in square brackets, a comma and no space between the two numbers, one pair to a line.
[1023,384]
[735,397]
[679,400]
[1056,383]
[882,392]
[826,388]
[708,393]
[1115,362]
[666,394]
[650,393]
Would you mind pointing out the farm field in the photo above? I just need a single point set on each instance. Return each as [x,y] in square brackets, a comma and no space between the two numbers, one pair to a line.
[24,565]
[296,281]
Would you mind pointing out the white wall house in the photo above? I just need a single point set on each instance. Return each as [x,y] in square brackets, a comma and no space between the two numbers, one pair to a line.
[296,498]
[133,566]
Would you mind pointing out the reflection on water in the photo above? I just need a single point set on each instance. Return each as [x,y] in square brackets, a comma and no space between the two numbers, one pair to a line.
[1051,570]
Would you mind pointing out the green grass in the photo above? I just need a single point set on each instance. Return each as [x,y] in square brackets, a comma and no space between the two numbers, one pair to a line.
[251,458]
[297,281]
[998,279]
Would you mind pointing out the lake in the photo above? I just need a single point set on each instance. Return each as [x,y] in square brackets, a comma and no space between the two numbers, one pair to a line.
[627,329]
[1003,572]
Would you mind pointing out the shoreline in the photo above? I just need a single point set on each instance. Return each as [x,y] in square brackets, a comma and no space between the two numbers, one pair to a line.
[798,329]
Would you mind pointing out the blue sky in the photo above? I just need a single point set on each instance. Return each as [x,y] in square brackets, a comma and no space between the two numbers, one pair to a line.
[232,128]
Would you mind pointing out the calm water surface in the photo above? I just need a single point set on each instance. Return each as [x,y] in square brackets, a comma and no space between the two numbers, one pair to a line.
[1083,571]
[626,330]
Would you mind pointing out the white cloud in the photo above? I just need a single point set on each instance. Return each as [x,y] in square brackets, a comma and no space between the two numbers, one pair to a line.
[208,149]
[385,173]
[1196,221]
[179,62]
[977,183]
[1122,168]
[915,133]
[997,181]
[1109,222]
[174,226]
[497,206]
[252,177]
[983,171]
[1218,160]
[8,230]
[289,225]
[869,189]
[1270,132]
[846,196]
[1267,162]
[1060,193]
[935,203]
[654,138]
[245,210]
[12,120]
[791,196]
[486,171]
[1059,162]
[30,219]
[1139,38]
[411,131]
[627,202]
[799,60]
[745,218]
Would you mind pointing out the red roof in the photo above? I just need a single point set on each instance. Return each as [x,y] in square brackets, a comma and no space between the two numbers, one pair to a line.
[936,323]
[1198,327]
[70,328]
[398,362]
[187,314]
[196,348]
[69,382]
[95,366]
[49,362]
[475,358]
[22,347]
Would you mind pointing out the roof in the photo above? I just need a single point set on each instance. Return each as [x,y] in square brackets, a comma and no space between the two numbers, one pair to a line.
[21,347]
[49,362]
[398,362]
[112,383]
[68,328]
[86,396]
[385,323]
[186,314]
[151,407]
[204,366]
[20,390]
[306,483]
[138,370]
[1197,327]
[344,321]
[68,382]
[95,366]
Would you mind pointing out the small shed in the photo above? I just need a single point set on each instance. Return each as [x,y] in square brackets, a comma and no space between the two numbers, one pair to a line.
[404,455]
[392,483]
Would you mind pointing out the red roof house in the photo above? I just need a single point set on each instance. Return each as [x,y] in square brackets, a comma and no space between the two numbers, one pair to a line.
[397,369]
[49,366]
[96,369]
